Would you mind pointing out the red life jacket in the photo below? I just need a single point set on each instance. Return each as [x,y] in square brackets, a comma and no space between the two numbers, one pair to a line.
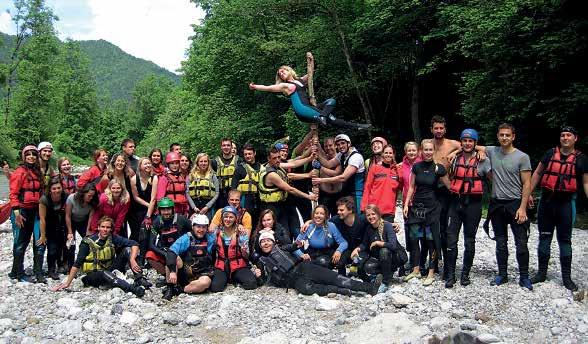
[31,189]
[69,184]
[560,175]
[466,180]
[231,255]
[176,188]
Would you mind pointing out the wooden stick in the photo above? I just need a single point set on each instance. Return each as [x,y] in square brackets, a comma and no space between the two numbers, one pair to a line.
[310,73]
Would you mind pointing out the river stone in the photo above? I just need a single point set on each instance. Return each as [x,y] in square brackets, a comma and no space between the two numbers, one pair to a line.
[274,337]
[67,302]
[68,328]
[193,320]
[390,328]
[324,304]
[128,318]
[400,301]
[487,338]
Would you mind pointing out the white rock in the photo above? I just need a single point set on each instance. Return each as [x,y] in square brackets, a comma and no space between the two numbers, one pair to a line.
[488,338]
[555,331]
[400,301]
[321,330]
[6,322]
[561,302]
[439,323]
[324,304]
[193,320]
[128,318]
[67,302]
[145,338]
[583,328]
[89,326]
[390,328]
[446,306]
[68,328]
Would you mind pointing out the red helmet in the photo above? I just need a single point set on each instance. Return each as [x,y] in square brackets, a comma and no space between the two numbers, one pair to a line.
[381,139]
[171,157]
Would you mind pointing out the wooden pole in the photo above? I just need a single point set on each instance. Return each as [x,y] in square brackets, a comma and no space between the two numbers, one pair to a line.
[314,126]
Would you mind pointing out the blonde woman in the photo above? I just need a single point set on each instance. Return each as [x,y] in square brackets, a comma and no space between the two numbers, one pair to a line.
[202,186]
[422,210]
[114,203]
[293,87]
[144,192]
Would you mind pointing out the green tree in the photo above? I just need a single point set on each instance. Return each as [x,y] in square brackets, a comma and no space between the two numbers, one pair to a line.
[149,101]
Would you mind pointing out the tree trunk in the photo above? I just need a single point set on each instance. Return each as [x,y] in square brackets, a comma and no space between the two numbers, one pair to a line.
[414,110]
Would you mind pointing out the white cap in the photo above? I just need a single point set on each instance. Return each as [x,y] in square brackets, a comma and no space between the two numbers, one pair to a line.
[342,137]
[200,219]
[44,145]
[266,234]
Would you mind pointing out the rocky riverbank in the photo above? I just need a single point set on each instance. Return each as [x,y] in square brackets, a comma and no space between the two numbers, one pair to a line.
[408,312]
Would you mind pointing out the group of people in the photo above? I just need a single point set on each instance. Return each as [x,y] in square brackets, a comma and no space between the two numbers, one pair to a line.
[317,218]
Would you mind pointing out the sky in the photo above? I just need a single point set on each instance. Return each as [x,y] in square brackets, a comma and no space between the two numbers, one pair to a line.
[155,30]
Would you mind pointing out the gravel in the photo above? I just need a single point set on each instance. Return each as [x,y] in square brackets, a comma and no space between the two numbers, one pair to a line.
[407,312]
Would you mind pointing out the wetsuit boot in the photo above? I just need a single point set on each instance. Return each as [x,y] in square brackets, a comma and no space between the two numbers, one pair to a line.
[449,268]
[566,273]
[541,274]
[332,120]
[169,292]
[116,282]
[141,281]
[348,283]
[465,276]
[38,265]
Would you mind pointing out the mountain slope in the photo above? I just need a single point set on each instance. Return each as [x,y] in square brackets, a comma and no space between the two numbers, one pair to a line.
[115,71]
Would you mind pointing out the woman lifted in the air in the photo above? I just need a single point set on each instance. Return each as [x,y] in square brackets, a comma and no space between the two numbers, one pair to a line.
[294,88]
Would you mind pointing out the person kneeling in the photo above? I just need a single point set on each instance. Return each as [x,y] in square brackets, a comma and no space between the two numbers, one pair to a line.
[379,248]
[101,253]
[283,269]
[189,260]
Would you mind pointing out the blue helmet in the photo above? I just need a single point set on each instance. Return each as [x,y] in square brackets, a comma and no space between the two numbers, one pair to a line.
[469,134]
[229,209]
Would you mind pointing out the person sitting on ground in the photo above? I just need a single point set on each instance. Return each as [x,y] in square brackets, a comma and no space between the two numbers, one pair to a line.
[379,248]
[243,216]
[102,253]
[165,230]
[114,203]
[189,260]
[268,221]
[283,269]
[318,242]
[232,254]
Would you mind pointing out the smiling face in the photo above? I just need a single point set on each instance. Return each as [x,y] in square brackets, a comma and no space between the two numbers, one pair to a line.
[343,211]
[120,163]
[56,190]
[284,74]
[411,151]
[226,147]
[267,221]
[468,145]
[229,219]
[342,146]
[266,245]
[388,155]
[199,230]
[146,166]
[249,156]
[102,158]
[156,158]
[330,148]
[104,229]
[88,196]
[116,190]
[234,199]
[505,137]
[377,147]
[428,151]
[31,157]
[174,166]
[65,167]
[372,217]
[438,130]
[203,164]
[319,216]
[184,163]
[567,140]
[166,213]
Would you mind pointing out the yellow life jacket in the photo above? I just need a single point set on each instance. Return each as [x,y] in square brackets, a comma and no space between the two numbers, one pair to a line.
[225,173]
[201,187]
[100,258]
[271,194]
[248,185]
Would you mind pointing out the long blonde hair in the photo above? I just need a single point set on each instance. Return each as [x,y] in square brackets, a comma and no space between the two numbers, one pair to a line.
[195,173]
[376,210]
[289,70]
[124,195]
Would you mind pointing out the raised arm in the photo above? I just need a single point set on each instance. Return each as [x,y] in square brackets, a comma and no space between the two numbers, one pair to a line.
[277,88]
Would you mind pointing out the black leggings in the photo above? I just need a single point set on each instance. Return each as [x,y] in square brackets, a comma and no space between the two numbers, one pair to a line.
[244,276]
[315,279]
[57,251]
[424,247]
[552,214]
[135,219]
[21,238]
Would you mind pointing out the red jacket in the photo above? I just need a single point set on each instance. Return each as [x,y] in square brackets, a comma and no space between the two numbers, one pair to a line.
[90,175]
[25,188]
[116,211]
[381,187]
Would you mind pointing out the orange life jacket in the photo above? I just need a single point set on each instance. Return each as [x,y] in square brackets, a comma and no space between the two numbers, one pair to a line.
[466,180]
[560,175]
[176,188]
[232,255]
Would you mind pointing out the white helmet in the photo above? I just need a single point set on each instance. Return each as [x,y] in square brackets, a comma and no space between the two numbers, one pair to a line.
[342,137]
[200,219]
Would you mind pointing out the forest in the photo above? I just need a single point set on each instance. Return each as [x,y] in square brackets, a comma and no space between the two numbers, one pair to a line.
[393,63]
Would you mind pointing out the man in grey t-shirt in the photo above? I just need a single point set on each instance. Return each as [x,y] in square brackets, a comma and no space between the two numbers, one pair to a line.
[511,187]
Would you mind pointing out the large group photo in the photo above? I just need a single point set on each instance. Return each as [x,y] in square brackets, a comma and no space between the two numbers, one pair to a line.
[280,206]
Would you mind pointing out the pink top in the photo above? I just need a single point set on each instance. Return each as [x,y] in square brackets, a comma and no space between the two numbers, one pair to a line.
[117,212]
[405,174]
